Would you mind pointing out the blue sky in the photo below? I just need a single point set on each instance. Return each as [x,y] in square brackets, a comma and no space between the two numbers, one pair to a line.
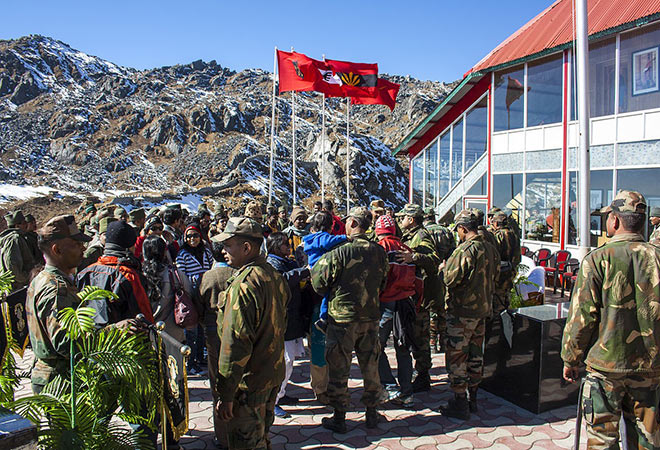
[431,40]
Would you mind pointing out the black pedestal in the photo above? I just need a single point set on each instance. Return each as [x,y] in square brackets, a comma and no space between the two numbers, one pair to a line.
[529,373]
[16,431]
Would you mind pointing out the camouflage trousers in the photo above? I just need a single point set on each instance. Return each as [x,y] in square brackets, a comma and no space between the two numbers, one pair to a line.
[501,296]
[253,417]
[438,326]
[606,397]
[422,331]
[341,339]
[464,353]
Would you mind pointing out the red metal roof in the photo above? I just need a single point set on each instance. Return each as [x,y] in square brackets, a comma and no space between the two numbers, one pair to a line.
[554,27]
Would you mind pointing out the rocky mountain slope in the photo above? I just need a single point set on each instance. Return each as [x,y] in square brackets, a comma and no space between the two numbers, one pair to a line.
[82,124]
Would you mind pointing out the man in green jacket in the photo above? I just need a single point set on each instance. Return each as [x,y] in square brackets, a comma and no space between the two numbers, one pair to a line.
[251,326]
[469,275]
[352,275]
[50,292]
[15,251]
[508,246]
[613,326]
[424,256]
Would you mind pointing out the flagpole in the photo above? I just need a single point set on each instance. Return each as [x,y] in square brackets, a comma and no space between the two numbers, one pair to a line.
[272,131]
[348,154]
[293,140]
[323,146]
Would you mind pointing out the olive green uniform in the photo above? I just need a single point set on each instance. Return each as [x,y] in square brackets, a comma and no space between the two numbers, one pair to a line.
[16,256]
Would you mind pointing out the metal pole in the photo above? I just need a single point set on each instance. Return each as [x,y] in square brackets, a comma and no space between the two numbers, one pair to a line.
[293,141]
[582,60]
[323,147]
[348,154]
[272,132]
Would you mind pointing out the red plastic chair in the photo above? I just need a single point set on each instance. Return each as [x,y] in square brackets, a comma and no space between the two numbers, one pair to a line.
[557,265]
[542,256]
[524,251]
[569,276]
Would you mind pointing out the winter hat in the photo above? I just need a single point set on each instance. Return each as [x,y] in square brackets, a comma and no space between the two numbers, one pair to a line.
[120,233]
[385,225]
[192,226]
[253,210]
[152,221]
[297,213]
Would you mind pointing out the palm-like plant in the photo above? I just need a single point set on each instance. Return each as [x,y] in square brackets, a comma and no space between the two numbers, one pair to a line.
[9,377]
[113,375]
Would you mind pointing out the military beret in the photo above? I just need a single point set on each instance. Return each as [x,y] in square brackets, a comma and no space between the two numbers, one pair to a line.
[15,218]
[627,201]
[62,227]
[411,209]
[240,226]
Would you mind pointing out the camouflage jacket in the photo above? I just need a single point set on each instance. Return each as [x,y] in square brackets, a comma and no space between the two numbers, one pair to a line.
[470,274]
[352,275]
[16,256]
[425,257]
[33,243]
[508,245]
[445,242]
[251,326]
[49,293]
[488,235]
[614,320]
[655,236]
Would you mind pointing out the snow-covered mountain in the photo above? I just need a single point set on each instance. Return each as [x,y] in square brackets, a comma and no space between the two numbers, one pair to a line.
[79,123]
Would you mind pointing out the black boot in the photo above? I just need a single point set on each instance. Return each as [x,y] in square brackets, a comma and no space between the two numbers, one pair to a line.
[336,423]
[422,382]
[473,398]
[458,407]
[372,417]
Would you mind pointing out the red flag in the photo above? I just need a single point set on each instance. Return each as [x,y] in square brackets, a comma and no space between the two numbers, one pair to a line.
[354,79]
[386,93]
[297,72]
[514,90]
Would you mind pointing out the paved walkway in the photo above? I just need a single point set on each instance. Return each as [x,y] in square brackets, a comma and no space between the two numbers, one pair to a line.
[498,425]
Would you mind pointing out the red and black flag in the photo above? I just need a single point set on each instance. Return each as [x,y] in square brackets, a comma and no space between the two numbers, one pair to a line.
[386,93]
[353,79]
[297,72]
[514,90]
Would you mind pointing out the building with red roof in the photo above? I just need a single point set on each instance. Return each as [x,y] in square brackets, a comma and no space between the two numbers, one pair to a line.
[507,135]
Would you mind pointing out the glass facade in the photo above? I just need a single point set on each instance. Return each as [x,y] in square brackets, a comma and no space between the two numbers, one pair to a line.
[543,206]
[431,173]
[601,195]
[544,92]
[418,179]
[509,99]
[457,152]
[444,148]
[476,133]
[638,69]
[602,81]
[508,193]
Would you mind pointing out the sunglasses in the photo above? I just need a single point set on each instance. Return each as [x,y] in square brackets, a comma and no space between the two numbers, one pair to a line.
[156,228]
[193,236]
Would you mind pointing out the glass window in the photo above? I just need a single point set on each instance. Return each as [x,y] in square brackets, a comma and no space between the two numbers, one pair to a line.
[601,195]
[476,133]
[457,153]
[543,206]
[431,174]
[418,178]
[508,193]
[601,77]
[445,143]
[508,100]
[544,92]
[480,187]
[641,180]
[638,70]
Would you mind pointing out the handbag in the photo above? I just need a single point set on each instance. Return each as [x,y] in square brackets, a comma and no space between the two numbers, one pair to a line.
[185,312]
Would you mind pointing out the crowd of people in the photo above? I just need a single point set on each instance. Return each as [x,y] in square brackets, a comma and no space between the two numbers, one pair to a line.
[265,284]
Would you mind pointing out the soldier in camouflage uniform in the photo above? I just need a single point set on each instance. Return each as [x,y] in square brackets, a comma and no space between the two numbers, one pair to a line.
[508,246]
[613,325]
[445,245]
[251,326]
[424,256]
[50,292]
[33,240]
[655,221]
[95,248]
[488,233]
[15,254]
[352,275]
[469,274]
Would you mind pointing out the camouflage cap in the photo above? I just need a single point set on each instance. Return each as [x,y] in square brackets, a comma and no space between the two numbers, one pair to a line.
[478,213]
[500,216]
[137,214]
[411,209]
[465,217]
[361,213]
[62,227]
[240,226]
[655,211]
[120,212]
[377,206]
[493,210]
[429,212]
[281,209]
[15,218]
[103,224]
[627,201]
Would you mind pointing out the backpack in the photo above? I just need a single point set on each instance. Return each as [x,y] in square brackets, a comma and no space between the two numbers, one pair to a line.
[185,312]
